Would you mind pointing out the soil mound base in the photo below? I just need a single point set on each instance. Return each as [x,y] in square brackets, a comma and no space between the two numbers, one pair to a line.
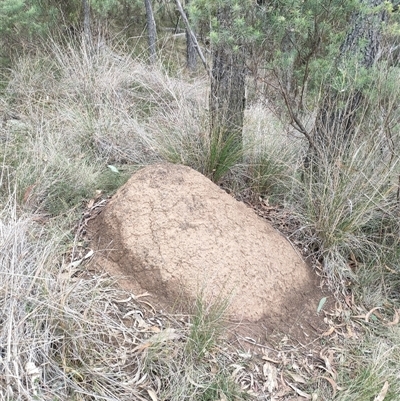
[176,234]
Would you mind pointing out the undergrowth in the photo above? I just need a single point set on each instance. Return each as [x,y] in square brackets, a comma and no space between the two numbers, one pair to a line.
[79,124]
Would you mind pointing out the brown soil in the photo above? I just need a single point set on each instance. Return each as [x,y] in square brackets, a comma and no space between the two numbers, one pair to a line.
[173,233]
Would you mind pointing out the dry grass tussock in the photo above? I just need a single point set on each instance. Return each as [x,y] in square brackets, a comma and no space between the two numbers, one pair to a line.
[61,337]
[114,105]
[351,210]
[69,115]
[348,202]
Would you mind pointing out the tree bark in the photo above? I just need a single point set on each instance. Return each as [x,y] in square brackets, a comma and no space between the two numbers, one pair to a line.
[86,24]
[151,32]
[193,36]
[227,98]
[335,122]
[191,59]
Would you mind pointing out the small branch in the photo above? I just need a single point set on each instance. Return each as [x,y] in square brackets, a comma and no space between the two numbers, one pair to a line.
[193,36]
[299,126]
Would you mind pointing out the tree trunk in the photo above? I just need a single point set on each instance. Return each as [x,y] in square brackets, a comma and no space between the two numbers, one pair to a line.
[227,98]
[335,122]
[191,59]
[192,35]
[86,24]
[151,32]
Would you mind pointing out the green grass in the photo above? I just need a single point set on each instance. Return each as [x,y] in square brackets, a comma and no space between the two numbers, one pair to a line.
[369,364]
[343,210]
[206,326]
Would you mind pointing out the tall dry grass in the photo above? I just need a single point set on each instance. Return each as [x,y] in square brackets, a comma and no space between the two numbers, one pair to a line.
[61,335]
[348,199]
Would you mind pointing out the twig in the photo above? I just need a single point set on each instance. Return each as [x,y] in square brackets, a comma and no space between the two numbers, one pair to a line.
[294,119]
[193,36]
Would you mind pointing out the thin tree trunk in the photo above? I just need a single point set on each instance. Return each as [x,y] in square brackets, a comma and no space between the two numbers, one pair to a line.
[335,122]
[193,36]
[151,32]
[227,98]
[191,59]
[86,24]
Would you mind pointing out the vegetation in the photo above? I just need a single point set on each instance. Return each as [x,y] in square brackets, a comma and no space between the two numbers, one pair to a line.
[317,137]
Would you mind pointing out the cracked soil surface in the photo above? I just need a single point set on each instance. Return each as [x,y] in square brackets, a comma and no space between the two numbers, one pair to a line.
[171,232]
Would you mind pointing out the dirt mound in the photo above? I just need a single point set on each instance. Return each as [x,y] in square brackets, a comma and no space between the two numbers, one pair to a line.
[176,234]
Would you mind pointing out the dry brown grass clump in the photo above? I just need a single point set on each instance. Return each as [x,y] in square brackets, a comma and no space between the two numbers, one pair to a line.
[63,334]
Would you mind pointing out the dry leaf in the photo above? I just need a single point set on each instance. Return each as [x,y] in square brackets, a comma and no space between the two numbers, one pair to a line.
[270,373]
[88,255]
[382,394]
[142,347]
[328,332]
[332,382]
[321,304]
[297,378]
[391,270]
[119,301]
[371,312]
[300,392]
[142,379]
[145,294]
[266,358]
[75,264]
[154,329]
[238,368]
[328,362]
[163,336]
[152,394]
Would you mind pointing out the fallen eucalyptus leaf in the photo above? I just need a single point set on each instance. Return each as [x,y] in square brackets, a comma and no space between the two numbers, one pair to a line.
[300,392]
[113,168]
[270,373]
[321,304]
[152,394]
[382,394]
